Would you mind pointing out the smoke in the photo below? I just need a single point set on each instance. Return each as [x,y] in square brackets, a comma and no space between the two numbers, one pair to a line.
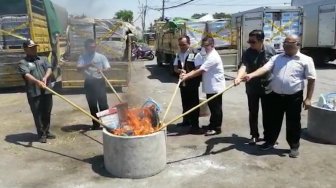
[90,8]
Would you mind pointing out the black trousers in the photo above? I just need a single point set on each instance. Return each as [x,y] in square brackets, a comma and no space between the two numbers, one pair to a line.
[41,109]
[253,106]
[190,99]
[291,105]
[216,117]
[95,91]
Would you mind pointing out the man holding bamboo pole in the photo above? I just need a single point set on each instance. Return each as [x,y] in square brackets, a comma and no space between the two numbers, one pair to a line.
[185,63]
[213,82]
[36,72]
[91,63]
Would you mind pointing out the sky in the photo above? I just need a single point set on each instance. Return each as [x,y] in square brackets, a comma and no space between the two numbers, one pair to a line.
[108,8]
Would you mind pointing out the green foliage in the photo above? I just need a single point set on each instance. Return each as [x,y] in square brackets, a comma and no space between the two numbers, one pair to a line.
[124,15]
[198,16]
[221,15]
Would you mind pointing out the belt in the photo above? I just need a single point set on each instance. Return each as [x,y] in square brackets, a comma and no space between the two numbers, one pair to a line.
[288,95]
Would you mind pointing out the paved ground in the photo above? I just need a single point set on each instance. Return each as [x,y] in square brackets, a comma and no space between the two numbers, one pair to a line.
[75,158]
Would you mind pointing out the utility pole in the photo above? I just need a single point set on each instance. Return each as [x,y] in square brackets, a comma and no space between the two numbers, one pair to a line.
[144,17]
[163,9]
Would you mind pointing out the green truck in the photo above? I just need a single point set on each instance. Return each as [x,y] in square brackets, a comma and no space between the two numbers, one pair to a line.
[28,19]
[48,25]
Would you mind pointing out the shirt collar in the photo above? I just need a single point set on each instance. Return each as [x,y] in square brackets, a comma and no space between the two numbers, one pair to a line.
[296,56]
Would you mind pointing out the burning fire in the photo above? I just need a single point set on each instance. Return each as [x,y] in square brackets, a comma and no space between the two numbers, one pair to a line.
[139,121]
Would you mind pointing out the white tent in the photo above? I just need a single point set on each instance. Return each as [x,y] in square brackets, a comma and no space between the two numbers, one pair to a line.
[207,17]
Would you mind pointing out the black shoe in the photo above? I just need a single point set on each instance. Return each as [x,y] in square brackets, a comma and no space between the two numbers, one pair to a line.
[266,146]
[212,132]
[43,139]
[253,141]
[294,153]
[183,124]
[51,136]
[196,131]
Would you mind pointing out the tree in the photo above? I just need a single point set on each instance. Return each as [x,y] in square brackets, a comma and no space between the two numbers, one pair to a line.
[124,15]
[221,15]
[198,16]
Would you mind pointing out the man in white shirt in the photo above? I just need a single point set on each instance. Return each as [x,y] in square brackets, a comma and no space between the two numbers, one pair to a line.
[91,63]
[289,71]
[185,63]
[213,82]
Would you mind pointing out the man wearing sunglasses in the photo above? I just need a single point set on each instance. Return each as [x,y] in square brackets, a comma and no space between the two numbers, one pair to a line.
[256,89]
[213,82]
[289,70]
[185,63]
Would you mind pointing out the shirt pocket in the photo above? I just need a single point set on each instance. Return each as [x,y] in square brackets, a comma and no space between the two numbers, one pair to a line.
[31,67]
[297,69]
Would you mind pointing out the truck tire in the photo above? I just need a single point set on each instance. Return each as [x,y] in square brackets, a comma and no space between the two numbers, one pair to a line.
[170,61]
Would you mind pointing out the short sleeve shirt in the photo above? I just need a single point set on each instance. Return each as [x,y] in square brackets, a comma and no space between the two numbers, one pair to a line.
[37,67]
[290,72]
[253,60]
[99,60]
[213,79]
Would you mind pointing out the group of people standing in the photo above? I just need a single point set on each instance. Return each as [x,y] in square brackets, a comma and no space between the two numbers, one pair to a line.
[205,66]
[276,80]
[36,72]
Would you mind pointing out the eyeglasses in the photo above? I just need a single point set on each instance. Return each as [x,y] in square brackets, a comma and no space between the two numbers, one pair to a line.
[205,45]
[251,41]
[289,43]
[182,44]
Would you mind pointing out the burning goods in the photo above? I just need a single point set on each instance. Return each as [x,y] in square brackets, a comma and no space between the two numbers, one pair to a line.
[124,121]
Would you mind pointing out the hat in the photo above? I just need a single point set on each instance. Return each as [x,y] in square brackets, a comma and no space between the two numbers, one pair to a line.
[29,43]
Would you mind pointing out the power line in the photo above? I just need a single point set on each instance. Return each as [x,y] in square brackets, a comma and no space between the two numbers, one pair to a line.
[175,6]
[205,4]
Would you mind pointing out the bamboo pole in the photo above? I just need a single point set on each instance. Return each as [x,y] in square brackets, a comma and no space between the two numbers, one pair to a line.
[114,91]
[164,125]
[171,101]
[76,106]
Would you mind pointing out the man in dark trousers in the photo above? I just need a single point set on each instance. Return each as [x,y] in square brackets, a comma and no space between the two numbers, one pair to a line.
[185,63]
[91,63]
[290,70]
[256,89]
[213,82]
[36,72]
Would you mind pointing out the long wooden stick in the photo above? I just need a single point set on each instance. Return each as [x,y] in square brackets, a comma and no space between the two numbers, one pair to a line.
[79,108]
[114,91]
[164,125]
[171,100]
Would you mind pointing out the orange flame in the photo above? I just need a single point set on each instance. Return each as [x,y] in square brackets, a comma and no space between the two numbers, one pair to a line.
[138,122]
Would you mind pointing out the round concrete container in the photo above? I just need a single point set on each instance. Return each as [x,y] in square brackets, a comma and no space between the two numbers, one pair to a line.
[322,124]
[134,156]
